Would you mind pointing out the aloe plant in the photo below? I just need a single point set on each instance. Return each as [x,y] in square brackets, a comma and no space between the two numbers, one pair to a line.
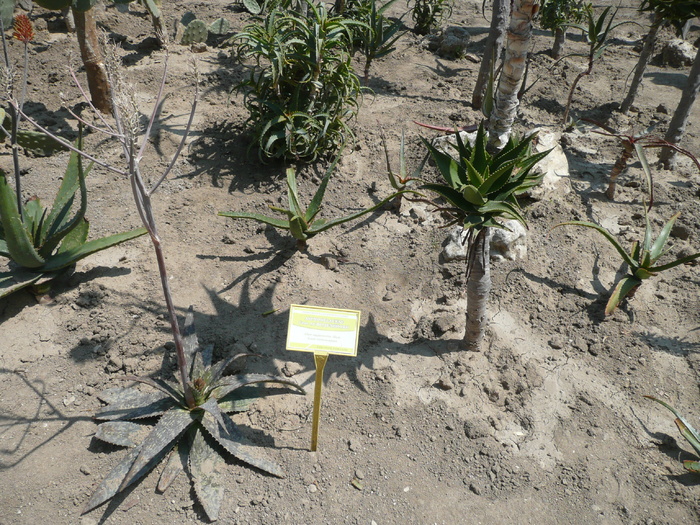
[303,223]
[302,91]
[41,242]
[688,432]
[193,409]
[481,191]
[377,35]
[641,259]
[636,144]
[197,437]
[427,14]
[596,32]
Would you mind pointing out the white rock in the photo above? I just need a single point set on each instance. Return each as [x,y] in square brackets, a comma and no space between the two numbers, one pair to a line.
[505,244]
[555,165]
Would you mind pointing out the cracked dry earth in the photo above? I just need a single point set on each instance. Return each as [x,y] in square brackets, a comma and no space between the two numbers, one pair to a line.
[547,424]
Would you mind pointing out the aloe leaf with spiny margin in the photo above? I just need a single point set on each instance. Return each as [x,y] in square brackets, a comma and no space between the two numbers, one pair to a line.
[44,241]
[197,439]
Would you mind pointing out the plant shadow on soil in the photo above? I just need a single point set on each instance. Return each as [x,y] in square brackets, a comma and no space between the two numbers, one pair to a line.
[9,420]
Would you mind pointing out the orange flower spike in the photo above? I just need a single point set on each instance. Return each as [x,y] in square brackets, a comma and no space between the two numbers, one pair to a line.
[23,30]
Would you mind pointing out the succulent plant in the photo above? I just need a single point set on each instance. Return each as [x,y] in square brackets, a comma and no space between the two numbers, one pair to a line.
[41,242]
[641,259]
[195,438]
[688,432]
[196,32]
[303,223]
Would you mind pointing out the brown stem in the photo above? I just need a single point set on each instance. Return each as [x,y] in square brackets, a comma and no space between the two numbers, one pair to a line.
[618,168]
[86,31]
[573,88]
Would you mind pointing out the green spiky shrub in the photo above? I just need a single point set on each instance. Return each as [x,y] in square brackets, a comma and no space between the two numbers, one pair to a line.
[195,439]
[377,35]
[556,15]
[302,91]
[688,432]
[428,14]
[41,242]
[304,223]
[641,259]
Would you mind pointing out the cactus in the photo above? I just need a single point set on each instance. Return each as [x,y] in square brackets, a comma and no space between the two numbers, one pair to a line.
[195,33]
[252,7]
[219,27]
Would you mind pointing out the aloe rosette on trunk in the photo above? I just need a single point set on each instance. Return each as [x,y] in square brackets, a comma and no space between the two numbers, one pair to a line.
[481,191]
[41,242]
[197,439]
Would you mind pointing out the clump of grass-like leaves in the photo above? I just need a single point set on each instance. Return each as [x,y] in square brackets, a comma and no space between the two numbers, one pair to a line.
[302,91]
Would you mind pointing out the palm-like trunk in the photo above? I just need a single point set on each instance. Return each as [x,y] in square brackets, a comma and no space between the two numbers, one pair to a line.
[478,288]
[517,46]
[644,57]
[676,128]
[86,31]
[494,45]
[558,45]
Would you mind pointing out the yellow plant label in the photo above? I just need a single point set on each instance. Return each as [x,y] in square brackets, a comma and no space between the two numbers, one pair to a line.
[325,330]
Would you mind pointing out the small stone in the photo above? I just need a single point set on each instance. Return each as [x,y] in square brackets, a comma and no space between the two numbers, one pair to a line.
[475,489]
[359,474]
[680,231]
[444,383]
[312,488]
[331,263]
[556,342]
[68,400]
[85,470]
[353,445]
[662,108]
[291,368]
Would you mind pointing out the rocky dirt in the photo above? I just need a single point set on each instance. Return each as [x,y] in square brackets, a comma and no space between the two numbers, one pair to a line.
[546,425]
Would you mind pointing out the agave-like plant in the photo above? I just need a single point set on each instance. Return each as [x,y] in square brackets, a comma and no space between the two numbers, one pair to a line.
[481,190]
[303,223]
[688,432]
[195,436]
[41,242]
[641,259]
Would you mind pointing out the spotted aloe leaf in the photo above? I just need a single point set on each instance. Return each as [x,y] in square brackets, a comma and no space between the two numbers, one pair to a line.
[121,433]
[233,441]
[205,468]
[171,425]
[174,465]
[136,405]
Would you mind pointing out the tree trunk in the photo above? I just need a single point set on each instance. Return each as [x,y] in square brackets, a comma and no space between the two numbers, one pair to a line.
[644,57]
[86,31]
[517,46]
[494,46]
[680,117]
[478,288]
[558,45]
